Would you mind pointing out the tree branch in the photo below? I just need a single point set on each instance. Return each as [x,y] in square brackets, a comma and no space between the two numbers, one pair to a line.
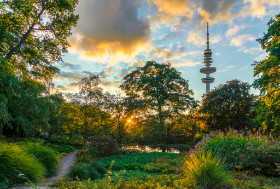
[24,37]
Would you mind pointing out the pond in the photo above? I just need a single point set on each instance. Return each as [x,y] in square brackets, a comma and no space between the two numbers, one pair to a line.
[177,148]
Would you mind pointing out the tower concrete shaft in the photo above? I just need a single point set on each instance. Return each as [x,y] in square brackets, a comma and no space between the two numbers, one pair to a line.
[207,69]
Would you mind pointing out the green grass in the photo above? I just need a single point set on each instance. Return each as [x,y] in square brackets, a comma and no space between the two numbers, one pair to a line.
[203,170]
[46,156]
[18,167]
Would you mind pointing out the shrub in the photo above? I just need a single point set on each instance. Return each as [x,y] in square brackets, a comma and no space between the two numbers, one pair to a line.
[46,156]
[17,167]
[232,146]
[103,146]
[61,148]
[85,171]
[75,141]
[203,170]
[80,171]
[99,167]
[244,151]
[263,161]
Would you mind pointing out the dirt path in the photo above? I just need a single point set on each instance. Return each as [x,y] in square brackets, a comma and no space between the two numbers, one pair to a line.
[65,164]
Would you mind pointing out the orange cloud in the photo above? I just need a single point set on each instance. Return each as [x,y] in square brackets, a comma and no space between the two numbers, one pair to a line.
[169,11]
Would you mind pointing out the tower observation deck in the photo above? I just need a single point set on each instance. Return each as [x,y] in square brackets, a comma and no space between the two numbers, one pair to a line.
[207,69]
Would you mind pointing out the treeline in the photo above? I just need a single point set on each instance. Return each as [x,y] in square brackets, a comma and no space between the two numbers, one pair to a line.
[158,106]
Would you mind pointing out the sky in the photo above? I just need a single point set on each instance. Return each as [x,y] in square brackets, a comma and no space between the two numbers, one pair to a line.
[113,37]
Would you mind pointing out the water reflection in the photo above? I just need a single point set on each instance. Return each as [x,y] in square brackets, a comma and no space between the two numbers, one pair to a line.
[156,148]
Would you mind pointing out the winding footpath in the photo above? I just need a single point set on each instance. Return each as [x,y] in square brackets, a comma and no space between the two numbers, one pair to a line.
[65,164]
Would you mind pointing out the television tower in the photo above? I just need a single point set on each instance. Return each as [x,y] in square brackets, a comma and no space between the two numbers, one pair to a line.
[207,63]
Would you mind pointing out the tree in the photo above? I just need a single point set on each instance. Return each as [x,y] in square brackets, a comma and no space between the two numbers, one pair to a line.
[229,105]
[161,88]
[93,120]
[33,34]
[268,81]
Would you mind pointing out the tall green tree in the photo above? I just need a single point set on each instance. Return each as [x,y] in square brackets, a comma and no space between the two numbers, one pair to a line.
[94,121]
[229,105]
[161,88]
[33,34]
[268,81]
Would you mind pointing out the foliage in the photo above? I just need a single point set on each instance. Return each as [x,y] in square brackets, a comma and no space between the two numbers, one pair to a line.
[161,88]
[59,140]
[244,180]
[116,182]
[23,110]
[262,161]
[93,121]
[227,106]
[243,151]
[34,34]
[85,171]
[18,167]
[203,170]
[134,161]
[61,148]
[46,156]
[103,146]
[268,80]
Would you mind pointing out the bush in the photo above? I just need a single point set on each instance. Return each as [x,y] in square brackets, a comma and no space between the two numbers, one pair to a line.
[99,167]
[75,141]
[244,151]
[203,170]
[61,148]
[103,146]
[80,171]
[85,171]
[46,156]
[262,161]
[18,167]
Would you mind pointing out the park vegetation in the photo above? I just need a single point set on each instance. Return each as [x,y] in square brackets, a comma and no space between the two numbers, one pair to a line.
[231,136]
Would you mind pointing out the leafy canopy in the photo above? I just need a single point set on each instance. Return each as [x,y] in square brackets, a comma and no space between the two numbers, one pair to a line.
[228,105]
[159,89]
[33,34]
[268,81]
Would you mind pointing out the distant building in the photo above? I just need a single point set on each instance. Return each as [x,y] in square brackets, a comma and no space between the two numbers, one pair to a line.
[207,63]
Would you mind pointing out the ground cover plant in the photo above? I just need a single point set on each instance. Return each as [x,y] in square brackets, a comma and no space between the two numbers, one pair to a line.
[132,166]
[135,161]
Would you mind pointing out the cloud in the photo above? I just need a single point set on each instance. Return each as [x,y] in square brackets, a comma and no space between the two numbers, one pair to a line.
[262,56]
[69,76]
[226,68]
[198,39]
[69,65]
[233,30]
[214,11]
[253,50]
[105,73]
[241,39]
[185,63]
[170,11]
[109,28]
[253,8]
